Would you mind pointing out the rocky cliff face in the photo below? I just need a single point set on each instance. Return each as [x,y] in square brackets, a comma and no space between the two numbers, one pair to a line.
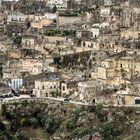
[61,121]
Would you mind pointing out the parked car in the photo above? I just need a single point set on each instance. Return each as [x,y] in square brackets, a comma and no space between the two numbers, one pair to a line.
[11,95]
[66,99]
[3,95]
[16,94]
[32,95]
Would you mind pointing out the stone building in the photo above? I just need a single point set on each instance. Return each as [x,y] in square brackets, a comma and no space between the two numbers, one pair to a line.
[47,86]
[16,24]
[87,91]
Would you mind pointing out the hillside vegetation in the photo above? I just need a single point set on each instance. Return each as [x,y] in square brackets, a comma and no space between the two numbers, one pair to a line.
[55,120]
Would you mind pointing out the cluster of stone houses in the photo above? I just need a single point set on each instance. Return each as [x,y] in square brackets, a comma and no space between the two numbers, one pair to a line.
[80,49]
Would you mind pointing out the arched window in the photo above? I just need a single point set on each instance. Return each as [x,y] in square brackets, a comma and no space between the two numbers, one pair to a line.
[84,44]
[63,88]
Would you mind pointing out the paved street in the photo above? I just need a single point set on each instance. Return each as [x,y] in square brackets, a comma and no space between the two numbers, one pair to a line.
[27,97]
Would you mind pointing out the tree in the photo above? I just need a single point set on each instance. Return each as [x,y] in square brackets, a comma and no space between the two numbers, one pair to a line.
[101,114]
[1,68]
[28,24]
[53,93]
[54,9]
[42,118]
[99,108]
[66,33]
[34,122]
[4,109]
[71,125]
[111,130]
[51,32]
[18,40]
[23,122]
[54,20]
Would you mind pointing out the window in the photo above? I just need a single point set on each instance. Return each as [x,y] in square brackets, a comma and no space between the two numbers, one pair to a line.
[63,88]
[42,87]
[84,44]
[54,86]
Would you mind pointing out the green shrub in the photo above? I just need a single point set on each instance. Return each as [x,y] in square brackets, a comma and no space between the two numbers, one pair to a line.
[71,125]
[23,122]
[81,132]
[33,122]
[111,130]
[18,40]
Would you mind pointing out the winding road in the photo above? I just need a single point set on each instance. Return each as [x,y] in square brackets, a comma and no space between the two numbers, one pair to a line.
[60,99]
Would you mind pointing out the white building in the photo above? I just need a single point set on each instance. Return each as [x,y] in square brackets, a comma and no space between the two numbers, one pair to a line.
[48,84]
[50,16]
[90,44]
[58,3]
[104,25]
[95,30]
[16,83]
[107,2]
[105,11]
[88,90]
[16,16]
[10,0]
[32,66]
[45,88]
[68,87]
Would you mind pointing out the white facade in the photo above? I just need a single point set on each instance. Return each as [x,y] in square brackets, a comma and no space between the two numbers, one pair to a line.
[104,25]
[10,0]
[105,11]
[16,83]
[90,44]
[44,88]
[100,25]
[15,16]
[95,32]
[50,16]
[108,2]
[32,66]
[28,42]
[3,47]
[88,90]
[58,3]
